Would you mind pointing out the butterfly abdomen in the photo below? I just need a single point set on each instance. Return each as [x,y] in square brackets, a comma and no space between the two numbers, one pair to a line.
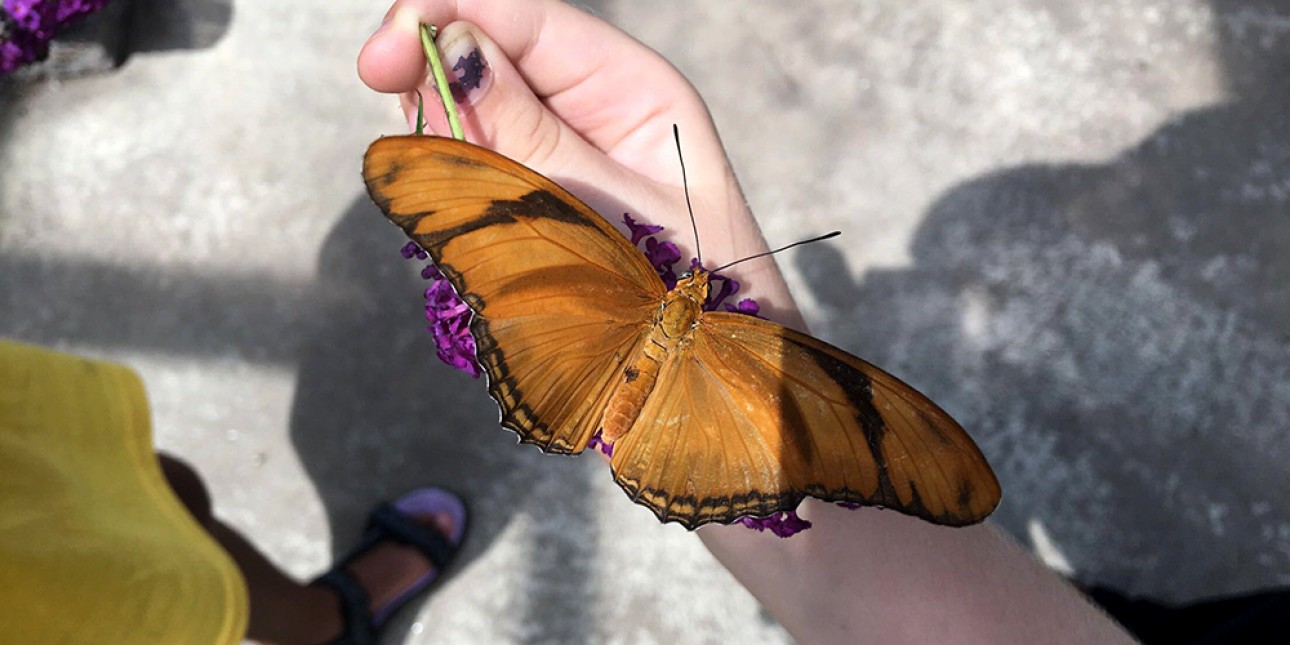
[634,386]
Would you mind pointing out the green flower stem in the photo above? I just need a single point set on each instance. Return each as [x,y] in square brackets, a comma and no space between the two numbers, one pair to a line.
[421,115]
[428,34]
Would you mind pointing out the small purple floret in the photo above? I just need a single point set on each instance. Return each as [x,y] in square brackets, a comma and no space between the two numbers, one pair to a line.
[746,306]
[662,255]
[37,17]
[598,442]
[783,524]
[639,231]
[729,287]
[411,250]
[19,49]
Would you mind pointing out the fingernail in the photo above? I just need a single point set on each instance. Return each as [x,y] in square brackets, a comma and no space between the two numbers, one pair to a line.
[405,17]
[385,24]
[464,62]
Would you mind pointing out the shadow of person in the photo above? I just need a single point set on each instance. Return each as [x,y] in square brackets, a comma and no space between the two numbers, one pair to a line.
[377,414]
[167,25]
[1115,337]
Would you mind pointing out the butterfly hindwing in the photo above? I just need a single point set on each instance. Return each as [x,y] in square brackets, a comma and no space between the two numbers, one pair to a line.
[752,417]
[558,294]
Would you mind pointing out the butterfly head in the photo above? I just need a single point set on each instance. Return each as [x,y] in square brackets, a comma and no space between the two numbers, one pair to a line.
[693,284]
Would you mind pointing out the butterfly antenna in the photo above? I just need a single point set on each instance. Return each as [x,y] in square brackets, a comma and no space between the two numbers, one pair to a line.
[782,248]
[698,252]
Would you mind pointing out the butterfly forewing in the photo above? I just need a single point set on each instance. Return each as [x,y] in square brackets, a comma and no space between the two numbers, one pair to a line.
[765,416]
[559,296]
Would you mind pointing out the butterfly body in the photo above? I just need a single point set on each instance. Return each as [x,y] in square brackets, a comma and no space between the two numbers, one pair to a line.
[713,415]
[669,334]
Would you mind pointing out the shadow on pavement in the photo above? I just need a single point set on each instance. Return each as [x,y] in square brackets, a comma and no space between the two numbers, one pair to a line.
[1115,336]
[376,414]
[167,25]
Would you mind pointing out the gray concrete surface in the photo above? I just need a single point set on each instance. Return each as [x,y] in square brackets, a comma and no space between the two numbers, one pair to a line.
[1066,222]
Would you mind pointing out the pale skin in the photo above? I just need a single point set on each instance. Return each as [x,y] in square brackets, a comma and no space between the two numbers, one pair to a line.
[564,96]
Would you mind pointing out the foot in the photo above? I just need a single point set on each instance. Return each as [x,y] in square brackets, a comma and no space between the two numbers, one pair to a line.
[402,550]
[391,567]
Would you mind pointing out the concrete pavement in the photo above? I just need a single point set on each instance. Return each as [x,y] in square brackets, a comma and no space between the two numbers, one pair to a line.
[1066,224]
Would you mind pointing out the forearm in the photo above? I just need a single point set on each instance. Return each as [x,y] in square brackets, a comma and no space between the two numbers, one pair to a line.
[878,576]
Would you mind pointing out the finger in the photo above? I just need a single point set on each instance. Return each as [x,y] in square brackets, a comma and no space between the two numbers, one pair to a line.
[391,61]
[618,94]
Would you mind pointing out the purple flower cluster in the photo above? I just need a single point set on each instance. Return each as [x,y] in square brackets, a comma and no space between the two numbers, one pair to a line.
[448,315]
[663,256]
[450,323]
[27,26]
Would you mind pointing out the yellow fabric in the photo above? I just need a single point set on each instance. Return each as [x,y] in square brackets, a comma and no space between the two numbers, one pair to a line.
[94,546]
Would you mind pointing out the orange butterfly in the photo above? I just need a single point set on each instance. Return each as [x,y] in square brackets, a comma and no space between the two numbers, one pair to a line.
[713,416]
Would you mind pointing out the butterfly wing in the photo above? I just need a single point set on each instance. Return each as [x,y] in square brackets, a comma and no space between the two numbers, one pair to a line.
[752,417]
[559,296]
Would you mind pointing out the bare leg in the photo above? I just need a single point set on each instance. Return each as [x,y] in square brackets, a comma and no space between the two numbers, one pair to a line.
[283,610]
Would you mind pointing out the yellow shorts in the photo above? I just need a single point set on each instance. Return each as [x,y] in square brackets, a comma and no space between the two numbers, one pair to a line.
[94,545]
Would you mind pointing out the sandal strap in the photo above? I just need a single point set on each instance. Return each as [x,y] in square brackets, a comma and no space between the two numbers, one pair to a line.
[355,607]
[392,523]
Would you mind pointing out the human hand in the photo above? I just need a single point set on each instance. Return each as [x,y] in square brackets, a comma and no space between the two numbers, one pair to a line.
[583,103]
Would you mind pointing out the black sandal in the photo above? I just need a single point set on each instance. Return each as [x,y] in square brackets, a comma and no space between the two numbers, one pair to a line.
[394,521]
